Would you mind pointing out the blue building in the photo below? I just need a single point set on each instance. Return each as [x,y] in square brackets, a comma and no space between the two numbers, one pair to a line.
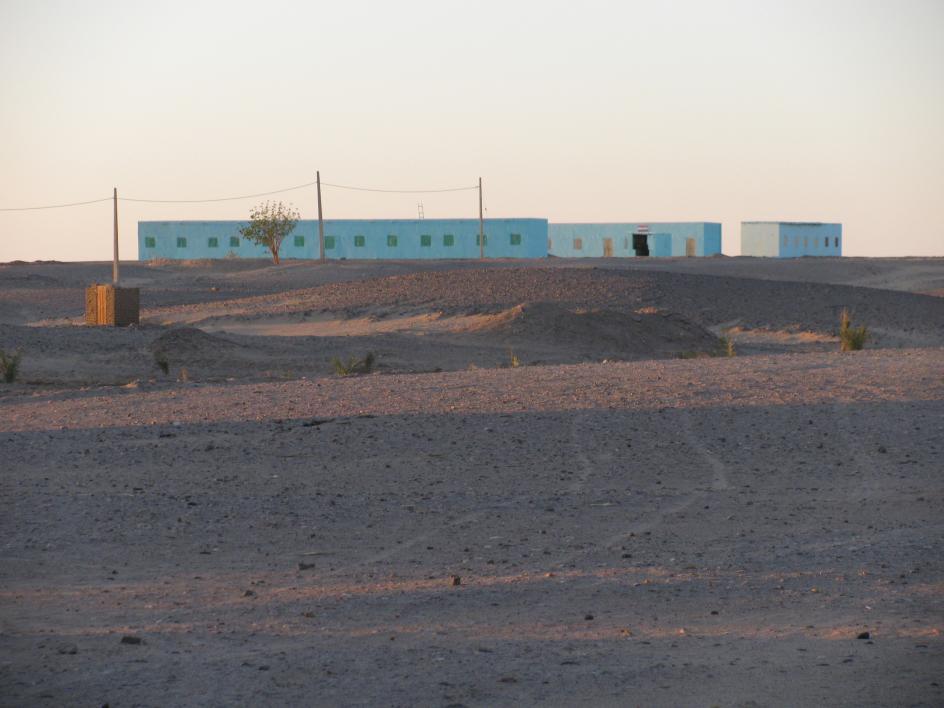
[698,238]
[349,239]
[790,239]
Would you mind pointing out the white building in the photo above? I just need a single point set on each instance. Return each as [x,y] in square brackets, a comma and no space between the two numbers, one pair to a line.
[790,239]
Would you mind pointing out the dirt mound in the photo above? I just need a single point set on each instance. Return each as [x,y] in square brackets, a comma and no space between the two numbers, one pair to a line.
[617,333]
[192,344]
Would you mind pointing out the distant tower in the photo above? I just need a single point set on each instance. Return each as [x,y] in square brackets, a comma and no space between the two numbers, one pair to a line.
[419,209]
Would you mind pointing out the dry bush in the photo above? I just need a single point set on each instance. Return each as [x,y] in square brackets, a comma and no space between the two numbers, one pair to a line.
[9,366]
[353,365]
[851,339]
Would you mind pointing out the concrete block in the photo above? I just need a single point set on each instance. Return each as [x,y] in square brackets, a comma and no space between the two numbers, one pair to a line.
[112,306]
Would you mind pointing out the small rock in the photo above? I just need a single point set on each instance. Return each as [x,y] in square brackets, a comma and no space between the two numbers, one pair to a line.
[455,580]
[68,649]
[864,635]
[306,566]
[508,679]
[131,639]
[249,593]
[881,448]
[588,617]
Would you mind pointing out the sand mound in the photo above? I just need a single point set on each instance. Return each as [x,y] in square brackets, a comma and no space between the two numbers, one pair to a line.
[192,344]
[621,333]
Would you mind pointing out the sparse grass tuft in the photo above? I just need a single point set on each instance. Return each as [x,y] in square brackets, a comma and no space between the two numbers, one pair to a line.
[353,365]
[161,361]
[851,339]
[9,366]
[727,347]
[513,361]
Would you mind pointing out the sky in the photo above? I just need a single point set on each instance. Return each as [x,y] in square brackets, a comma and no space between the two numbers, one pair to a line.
[730,111]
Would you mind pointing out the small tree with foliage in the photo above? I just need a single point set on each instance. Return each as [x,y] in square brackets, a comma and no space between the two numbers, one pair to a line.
[269,224]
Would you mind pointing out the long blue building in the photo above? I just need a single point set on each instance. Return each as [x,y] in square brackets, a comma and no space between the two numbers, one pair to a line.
[349,239]
[790,239]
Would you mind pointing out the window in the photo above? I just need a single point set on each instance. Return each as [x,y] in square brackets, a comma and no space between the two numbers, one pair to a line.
[213,242]
[181,242]
[359,241]
[426,240]
[786,241]
[836,241]
[392,240]
[299,241]
[516,239]
[449,240]
[826,242]
[478,239]
[329,242]
[806,242]
[234,241]
[578,244]
[149,242]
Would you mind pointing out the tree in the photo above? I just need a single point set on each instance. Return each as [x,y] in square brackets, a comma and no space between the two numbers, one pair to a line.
[269,224]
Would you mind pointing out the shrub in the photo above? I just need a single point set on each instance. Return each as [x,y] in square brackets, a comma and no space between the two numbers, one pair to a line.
[161,361]
[353,365]
[851,339]
[514,361]
[727,347]
[9,366]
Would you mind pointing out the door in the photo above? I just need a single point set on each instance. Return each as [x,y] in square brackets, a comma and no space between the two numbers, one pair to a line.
[689,247]
[641,244]
[607,248]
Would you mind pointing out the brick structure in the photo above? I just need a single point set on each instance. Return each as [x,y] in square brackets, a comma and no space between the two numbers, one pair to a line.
[111,305]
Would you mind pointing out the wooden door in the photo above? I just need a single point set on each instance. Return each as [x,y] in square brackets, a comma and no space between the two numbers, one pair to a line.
[607,248]
[689,247]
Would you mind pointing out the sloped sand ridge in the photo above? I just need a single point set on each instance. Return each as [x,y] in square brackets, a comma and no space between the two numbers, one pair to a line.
[606,332]
[193,344]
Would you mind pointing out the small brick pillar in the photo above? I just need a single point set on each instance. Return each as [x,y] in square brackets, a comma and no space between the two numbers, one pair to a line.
[111,305]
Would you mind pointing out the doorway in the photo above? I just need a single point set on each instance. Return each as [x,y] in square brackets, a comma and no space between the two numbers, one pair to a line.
[689,247]
[641,244]
[607,248]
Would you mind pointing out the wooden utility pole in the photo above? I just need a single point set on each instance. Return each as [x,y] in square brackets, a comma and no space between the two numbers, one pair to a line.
[114,263]
[481,225]
[321,248]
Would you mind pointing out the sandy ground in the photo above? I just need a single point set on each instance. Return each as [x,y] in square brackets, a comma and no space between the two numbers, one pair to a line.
[651,530]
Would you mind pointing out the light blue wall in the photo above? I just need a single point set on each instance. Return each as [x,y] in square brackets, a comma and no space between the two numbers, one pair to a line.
[408,233]
[784,239]
[665,239]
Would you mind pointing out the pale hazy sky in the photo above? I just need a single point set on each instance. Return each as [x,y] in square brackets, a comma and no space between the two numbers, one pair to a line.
[828,110]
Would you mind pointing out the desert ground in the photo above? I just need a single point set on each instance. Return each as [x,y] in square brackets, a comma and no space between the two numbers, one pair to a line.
[555,487]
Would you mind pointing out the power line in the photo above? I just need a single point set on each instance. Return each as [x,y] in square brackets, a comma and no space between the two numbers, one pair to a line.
[246,196]
[399,191]
[56,206]
[218,199]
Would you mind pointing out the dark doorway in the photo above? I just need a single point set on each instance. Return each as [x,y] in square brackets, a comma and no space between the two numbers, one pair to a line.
[641,244]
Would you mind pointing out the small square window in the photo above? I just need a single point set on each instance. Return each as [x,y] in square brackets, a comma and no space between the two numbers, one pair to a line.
[299,241]
[149,242]
[578,244]
[329,242]
[426,240]
[213,242]
[478,239]
[234,241]
[392,240]
[826,242]
[449,240]
[181,242]
[359,241]
[516,239]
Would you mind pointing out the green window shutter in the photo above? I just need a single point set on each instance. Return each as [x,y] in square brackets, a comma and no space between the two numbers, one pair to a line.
[478,239]
[181,242]
[426,240]
[449,240]
[299,241]
[213,242]
[516,239]
[149,242]
[359,241]
[329,242]
[392,240]
[234,241]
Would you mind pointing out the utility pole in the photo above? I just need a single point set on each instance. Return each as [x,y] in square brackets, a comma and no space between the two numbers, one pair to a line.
[320,219]
[114,263]
[481,225]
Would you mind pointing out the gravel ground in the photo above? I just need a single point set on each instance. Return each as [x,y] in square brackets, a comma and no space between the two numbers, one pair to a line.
[705,532]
